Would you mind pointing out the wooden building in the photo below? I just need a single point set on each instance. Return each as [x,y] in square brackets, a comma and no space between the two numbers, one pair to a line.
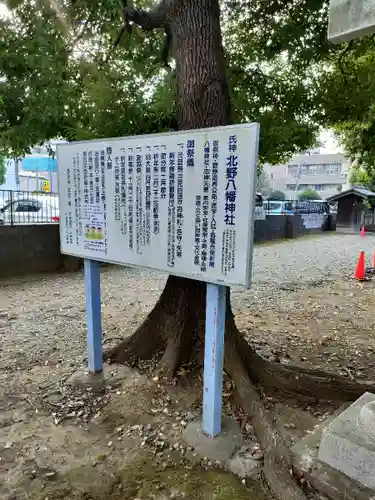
[352,208]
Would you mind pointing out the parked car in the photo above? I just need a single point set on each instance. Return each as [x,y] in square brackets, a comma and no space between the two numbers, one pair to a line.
[31,210]
[273,207]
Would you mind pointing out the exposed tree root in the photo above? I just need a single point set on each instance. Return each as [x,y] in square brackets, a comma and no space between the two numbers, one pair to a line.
[277,456]
[175,325]
[300,381]
[143,344]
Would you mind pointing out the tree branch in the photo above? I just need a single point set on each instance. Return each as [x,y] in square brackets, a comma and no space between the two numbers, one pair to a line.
[343,54]
[166,46]
[81,34]
[147,20]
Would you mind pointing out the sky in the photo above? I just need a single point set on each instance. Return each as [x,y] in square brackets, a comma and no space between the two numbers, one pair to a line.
[3,9]
[329,143]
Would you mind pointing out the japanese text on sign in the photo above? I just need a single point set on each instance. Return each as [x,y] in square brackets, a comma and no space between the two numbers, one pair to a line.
[181,203]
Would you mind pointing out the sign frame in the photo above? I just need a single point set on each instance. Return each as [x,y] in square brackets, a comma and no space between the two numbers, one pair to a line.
[250,216]
[345,24]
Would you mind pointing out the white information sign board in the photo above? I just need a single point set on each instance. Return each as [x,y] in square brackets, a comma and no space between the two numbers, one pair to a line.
[180,202]
[350,19]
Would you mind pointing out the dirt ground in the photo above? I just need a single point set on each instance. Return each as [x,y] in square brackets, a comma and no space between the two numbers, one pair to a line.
[59,443]
[326,324]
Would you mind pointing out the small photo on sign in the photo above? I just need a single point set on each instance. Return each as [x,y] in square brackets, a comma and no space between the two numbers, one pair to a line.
[94,235]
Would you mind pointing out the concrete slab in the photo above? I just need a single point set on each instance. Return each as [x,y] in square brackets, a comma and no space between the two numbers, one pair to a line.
[305,452]
[321,476]
[350,19]
[221,447]
[112,376]
[348,443]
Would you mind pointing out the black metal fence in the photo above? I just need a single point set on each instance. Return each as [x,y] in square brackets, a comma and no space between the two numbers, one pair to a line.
[292,207]
[28,207]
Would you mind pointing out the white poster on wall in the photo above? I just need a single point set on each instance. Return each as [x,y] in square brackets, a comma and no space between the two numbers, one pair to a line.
[181,202]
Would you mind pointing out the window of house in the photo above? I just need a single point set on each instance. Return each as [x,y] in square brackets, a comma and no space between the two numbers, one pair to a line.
[293,170]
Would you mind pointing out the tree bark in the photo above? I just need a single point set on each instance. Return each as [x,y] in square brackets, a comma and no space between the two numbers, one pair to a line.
[203,100]
[202,88]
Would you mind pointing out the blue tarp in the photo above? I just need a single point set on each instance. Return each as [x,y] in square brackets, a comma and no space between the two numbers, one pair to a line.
[39,164]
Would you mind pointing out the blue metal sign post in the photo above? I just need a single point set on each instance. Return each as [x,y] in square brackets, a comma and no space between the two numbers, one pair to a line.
[213,359]
[93,314]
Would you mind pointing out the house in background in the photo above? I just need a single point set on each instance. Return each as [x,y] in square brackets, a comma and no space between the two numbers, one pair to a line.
[325,173]
[353,209]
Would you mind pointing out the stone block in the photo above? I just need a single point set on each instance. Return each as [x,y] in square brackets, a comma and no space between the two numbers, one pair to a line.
[348,443]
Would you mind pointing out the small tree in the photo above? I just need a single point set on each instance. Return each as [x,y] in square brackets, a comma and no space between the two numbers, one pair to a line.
[362,176]
[277,195]
[309,194]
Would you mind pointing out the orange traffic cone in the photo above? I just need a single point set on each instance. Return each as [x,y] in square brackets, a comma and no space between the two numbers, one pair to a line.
[359,273]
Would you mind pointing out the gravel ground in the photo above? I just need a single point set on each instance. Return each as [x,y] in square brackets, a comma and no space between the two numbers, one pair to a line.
[303,308]
[310,258]
[45,311]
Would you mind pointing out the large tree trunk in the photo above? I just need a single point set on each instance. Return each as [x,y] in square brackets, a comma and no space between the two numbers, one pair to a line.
[175,328]
[177,321]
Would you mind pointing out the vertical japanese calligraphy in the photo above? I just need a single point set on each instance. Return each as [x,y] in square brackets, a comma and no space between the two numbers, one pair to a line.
[130,199]
[171,211]
[190,153]
[180,199]
[123,193]
[77,199]
[117,204]
[229,235]
[91,176]
[68,213]
[214,188]
[139,232]
[155,188]
[103,198]
[205,205]
[231,190]
[163,174]
[197,233]
[148,196]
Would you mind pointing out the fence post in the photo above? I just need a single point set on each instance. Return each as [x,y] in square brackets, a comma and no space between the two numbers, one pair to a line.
[11,208]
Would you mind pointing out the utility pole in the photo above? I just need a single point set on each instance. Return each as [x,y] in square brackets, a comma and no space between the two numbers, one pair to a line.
[298,176]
